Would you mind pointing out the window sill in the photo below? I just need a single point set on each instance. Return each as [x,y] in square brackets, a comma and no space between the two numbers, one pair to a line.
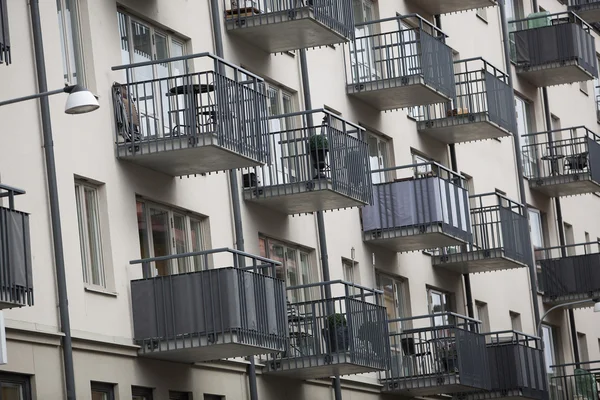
[100,291]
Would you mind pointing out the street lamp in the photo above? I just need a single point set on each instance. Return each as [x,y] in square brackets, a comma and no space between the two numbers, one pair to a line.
[572,303]
[80,100]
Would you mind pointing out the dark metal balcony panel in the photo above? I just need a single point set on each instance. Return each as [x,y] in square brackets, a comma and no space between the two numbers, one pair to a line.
[587,10]
[391,67]
[477,261]
[16,283]
[319,162]
[209,314]
[4,34]
[562,162]
[183,122]
[335,328]
[285,25]
[481,109]
[554,49]
[574,382]
[436,7]
[428,211]
[447,356]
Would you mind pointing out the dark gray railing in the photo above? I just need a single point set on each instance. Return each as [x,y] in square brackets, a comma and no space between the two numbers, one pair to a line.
[241,304]
[561,152]
[429,350]
[570,271]
[337,15]
[482,90]
[413,197]
[575,381]
[4,34]
[582,5]
[316,150]
[553,38]
[163,105]
[388,54]
[16,283]
[597,89]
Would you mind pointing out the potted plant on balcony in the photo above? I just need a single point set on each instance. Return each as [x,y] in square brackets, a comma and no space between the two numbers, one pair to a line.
[318,147]
[336,333]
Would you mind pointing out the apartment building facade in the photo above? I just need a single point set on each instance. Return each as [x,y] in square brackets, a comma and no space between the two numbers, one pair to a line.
[413,184]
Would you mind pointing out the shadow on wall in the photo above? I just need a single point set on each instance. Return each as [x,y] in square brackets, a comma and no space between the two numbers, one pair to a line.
[288,389]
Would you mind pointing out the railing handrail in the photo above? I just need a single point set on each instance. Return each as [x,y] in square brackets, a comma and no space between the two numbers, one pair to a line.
[10,189]
[574,364]
[315,111]
[333,282]
[429,316]
[570,245]
[569,13]
[466,61]
[572,128]
[449,171]
[514,332]
[405,16]
[205,252]
[498,194]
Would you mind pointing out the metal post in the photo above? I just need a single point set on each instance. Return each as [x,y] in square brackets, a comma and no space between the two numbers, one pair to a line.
[519,162]
[59,261]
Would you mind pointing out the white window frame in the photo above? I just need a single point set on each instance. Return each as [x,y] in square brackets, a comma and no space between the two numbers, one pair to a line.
[85,244]
[384,157]
[350,271]
[537,215]
[525,107]
[71,42]
[431,292]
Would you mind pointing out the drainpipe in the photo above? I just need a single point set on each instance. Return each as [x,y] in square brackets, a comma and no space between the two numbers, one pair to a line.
[519,161]
[59,261]
[234,189]
[337,388]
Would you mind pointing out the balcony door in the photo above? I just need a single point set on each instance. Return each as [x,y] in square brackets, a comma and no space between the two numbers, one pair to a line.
[439,303]
[362,53]
[379,156]
[524,127]
[394,298]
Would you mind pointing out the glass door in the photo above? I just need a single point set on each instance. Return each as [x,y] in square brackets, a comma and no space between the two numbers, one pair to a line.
[361,49]
[438,304]
[160,238]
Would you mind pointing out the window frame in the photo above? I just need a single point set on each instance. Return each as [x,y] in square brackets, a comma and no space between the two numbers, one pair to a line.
[141,391]
[449,304]
[24,381]
[72,42]
[400,288]
[177,395]
[349,271]
[515,319]
[385,158]
[483,315]
[104,388]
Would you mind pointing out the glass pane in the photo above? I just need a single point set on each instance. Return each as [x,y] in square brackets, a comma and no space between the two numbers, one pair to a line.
[291,272]
[99,395]
[276,253]
[94,238]
[159,220]
[143,229]
[68,20]
[177,50]
[179,234]
[196,228]
[63,40]
[124,36]
[536,229]
[12,391]
[142,51]
[548,341]
[307,276]
[82,234]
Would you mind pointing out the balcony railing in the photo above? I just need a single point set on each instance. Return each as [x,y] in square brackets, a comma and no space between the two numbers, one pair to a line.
[436,7]
[500,238]
[335,328]
[173,120]
[553,49]
[4,34]
[562,162]
[570,273]
[318,162]
[16,283]
[575,381]
[194,314]
[417,207]
[286,25]
[597,89]
[391,66]
[436,354]
[587,10]
[481,109]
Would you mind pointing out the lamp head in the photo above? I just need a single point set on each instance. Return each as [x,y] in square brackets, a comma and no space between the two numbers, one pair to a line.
[80,100]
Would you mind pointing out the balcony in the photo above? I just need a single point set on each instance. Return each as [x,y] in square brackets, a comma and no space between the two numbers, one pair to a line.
[574,382]
[481,109]
[570,273]
[436,7]
[336,328]
[563,162]
[500,238]
[179,122]
[319,162]
[553,49]
[390,66]
[285,25]
[436,354]
[195,314]
[4,34]
[516,362]
[587,10]
[16,283]
[417,207]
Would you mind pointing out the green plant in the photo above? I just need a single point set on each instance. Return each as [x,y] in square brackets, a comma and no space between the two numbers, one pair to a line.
[336,320]
[318,142]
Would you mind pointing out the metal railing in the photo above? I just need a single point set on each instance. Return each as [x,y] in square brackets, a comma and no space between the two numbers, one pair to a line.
[430,348]
[575,381]
[4,34]
[189,307]
[561,152]
[410,198]
[390,52]
[579,4]
[482,92]
[16,283]
[337,15]
[334,322]
[597,90]
[314,150]
[545,39]
[165,105]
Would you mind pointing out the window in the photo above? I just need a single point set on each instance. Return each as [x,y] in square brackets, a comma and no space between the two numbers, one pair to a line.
[350,270]
[164,231]
[483,315]
[514,10]
[584,355]
[362,55]
[179,395]
[395,295]
[438,302]
[102,391]
[380,149]
[90,235]
[70,41]
[570,239]
[14,387]
[141,393]
[419,159]
[523,110]
[213,397]
[515,321]
[535,226]
[549,347]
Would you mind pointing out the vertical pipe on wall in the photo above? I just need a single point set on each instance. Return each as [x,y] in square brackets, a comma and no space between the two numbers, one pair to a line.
[59,261]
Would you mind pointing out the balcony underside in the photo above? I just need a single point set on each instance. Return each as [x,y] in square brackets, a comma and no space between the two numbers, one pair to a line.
[178,157]
[301,197]
[462,128]
[557,73]
[391,94]
[319,366]
[477,261]
[275,32]
[429,385]
[565,185]
[436,7]
[511,394]
[412,238]
[562,299]
[590,13]
[196,349]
